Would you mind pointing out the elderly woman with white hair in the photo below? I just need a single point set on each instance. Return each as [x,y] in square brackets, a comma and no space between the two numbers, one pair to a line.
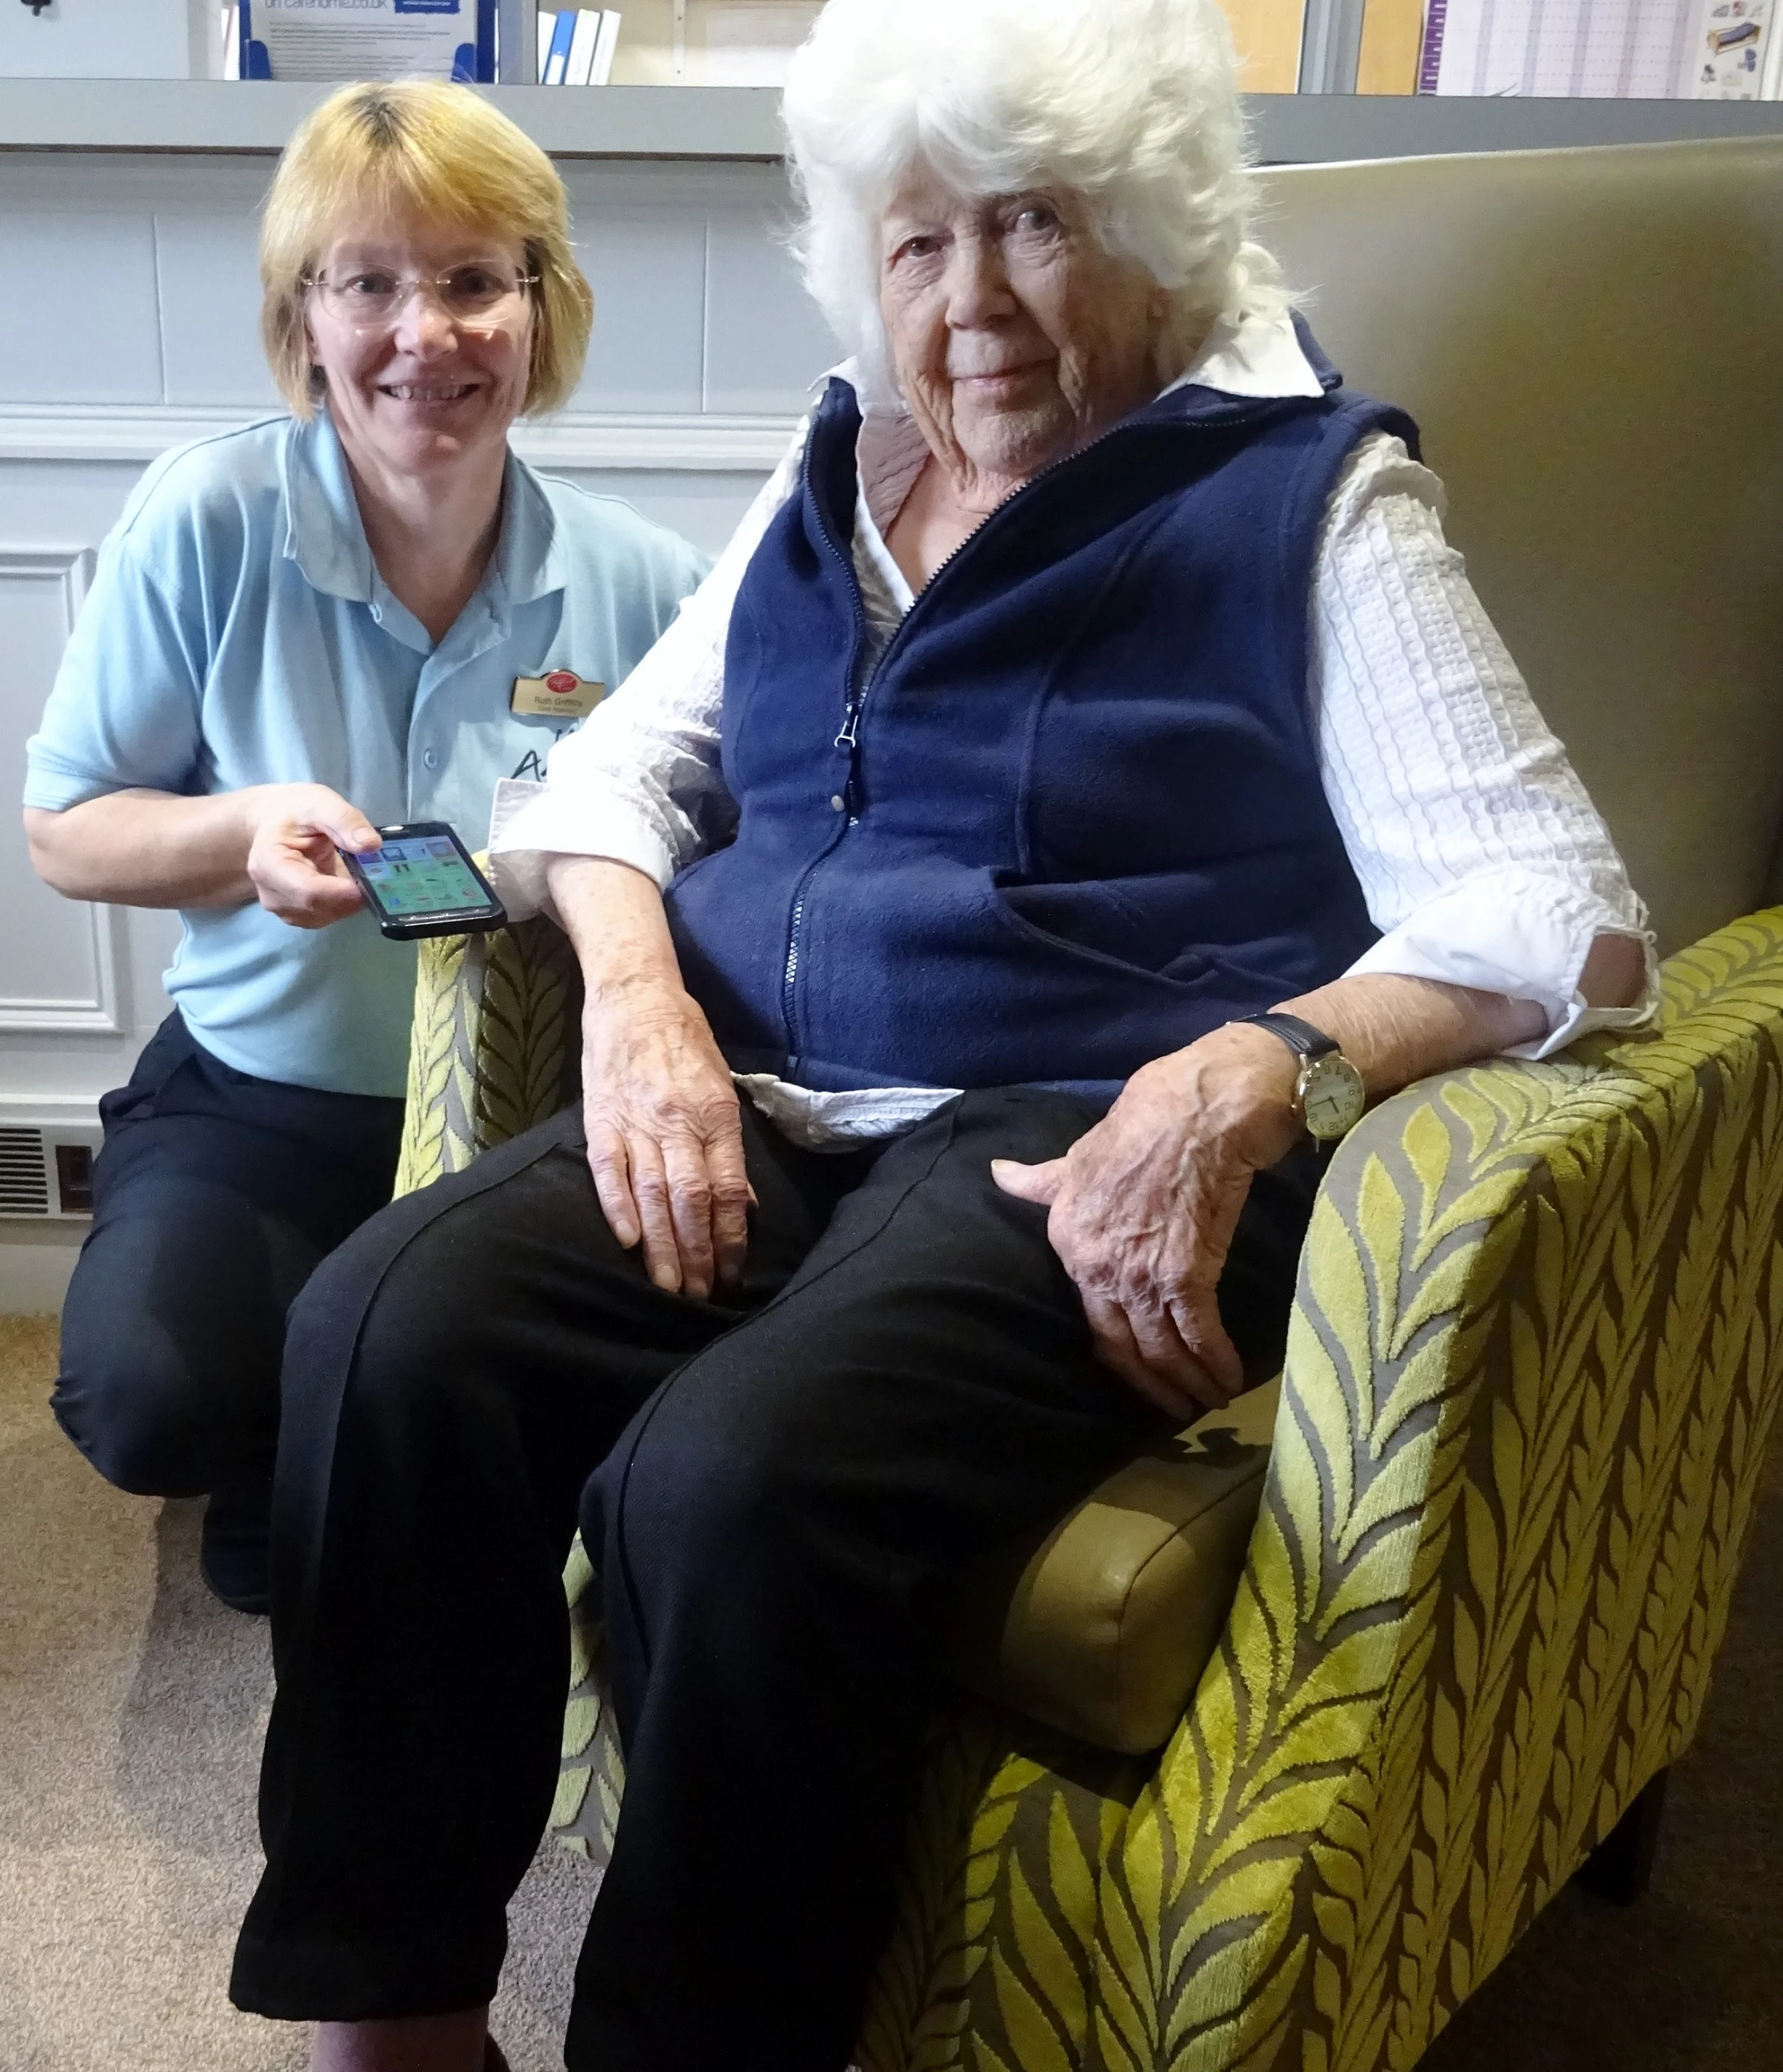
[1085,781]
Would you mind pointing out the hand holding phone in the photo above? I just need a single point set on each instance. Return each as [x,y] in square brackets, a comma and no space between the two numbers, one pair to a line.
[295,833]
[422,882]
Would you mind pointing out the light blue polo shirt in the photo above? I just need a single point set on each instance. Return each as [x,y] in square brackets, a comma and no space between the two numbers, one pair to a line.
[237,633]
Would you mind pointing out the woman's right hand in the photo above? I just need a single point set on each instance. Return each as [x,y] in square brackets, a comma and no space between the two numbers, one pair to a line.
[294,834]
[665,1142]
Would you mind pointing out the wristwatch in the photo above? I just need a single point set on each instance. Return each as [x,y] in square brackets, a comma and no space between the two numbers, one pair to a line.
[1329,1092]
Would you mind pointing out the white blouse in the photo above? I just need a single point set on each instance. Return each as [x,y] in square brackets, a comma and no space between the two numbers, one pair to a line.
[1481,860]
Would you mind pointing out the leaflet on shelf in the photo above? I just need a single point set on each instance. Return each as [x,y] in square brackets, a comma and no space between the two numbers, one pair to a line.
[1587,49]
[367,39]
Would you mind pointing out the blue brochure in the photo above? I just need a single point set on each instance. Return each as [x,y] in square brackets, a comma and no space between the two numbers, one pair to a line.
[368,39]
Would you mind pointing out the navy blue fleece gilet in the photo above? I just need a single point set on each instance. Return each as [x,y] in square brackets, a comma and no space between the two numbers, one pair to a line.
[1081,820]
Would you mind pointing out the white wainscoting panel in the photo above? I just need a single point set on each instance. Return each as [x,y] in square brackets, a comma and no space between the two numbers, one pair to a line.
[81,988]
[766,342]
[56,977]
[647,270]
[207,268]
[79,320]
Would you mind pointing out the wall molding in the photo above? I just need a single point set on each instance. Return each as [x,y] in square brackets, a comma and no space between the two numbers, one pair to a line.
[48,1111]
[102,1014]
[691,442]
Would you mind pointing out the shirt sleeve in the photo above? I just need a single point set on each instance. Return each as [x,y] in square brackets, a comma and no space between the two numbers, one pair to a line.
[641,782]
[1480,855]
[125,713]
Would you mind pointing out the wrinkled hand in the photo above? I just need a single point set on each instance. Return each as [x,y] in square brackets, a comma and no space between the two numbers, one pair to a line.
[295,833]
[665,1142]
[1143,1208]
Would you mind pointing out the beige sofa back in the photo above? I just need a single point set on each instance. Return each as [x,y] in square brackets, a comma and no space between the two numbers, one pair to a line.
[1592,343]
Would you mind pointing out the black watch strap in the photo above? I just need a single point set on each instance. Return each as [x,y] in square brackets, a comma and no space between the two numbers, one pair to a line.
[1300,1037]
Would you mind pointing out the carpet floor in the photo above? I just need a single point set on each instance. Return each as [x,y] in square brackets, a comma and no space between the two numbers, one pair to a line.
[132,1707]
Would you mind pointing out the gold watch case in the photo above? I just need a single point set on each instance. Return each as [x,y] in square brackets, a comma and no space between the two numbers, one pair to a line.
[1331,1095]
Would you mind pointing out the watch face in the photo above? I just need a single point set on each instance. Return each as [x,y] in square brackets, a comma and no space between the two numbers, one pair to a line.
[1332,1096]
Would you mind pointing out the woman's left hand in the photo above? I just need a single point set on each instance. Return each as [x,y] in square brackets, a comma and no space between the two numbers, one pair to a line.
[1143,1205]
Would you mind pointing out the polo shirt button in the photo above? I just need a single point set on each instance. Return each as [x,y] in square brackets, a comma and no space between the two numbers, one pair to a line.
[835,802]
[430,758]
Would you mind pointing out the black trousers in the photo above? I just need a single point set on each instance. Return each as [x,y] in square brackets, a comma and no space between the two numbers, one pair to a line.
[768,1484]
[214,1197]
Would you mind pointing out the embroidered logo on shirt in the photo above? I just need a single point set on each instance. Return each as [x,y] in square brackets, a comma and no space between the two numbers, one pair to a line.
[532,765]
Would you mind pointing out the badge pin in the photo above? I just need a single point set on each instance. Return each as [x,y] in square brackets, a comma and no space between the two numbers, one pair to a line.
[558,694]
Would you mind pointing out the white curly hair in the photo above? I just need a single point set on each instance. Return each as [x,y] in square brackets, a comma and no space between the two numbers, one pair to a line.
[1132,103]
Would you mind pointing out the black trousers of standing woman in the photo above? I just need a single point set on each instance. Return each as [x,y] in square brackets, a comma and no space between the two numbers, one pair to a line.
[767,1482]
[214,1197]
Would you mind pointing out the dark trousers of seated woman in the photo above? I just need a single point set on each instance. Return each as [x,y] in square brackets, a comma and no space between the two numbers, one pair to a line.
[768,1483]
[214,1197]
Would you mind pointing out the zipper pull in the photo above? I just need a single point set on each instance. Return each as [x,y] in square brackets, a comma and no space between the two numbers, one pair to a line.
[846,738]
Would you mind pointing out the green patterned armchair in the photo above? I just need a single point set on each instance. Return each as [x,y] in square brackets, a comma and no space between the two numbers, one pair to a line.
[1533,1360]
[1265,1757]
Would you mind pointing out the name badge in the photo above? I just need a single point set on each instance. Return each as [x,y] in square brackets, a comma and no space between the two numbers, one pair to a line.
[560,694]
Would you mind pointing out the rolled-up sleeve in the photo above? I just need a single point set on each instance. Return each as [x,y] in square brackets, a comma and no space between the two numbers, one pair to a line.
[642,782]
[125,713]
[1480,854]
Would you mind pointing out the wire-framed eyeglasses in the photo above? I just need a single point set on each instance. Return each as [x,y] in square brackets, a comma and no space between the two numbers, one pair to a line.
[477,292]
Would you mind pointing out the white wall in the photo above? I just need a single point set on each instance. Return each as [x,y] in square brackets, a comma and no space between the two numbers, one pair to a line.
[140,330]
[109,39]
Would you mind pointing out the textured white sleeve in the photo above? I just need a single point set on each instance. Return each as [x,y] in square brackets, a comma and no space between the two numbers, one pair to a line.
[1480,855]
[640,781]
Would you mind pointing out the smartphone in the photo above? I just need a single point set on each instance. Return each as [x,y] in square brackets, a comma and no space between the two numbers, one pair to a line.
[422,882]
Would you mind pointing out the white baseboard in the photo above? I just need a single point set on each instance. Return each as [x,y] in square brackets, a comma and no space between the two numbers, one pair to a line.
[76,1110]
[36,1262]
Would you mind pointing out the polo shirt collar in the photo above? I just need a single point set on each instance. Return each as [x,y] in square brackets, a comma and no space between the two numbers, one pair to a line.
[326,536]
[530,559]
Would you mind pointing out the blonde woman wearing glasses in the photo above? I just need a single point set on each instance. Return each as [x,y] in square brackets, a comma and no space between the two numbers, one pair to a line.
[298,631]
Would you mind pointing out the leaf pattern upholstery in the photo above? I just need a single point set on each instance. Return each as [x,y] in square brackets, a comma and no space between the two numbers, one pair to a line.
[1531,1370]
[493,1048]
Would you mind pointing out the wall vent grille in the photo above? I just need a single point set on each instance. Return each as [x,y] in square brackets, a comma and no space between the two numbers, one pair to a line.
[24,1175]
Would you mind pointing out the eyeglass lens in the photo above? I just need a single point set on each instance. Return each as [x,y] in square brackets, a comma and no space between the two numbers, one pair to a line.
[370,295]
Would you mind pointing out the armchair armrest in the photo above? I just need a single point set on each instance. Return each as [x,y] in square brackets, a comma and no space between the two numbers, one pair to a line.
[494,1045]
[1531,1370]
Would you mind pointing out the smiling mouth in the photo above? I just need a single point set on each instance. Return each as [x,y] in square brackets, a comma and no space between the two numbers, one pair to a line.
[428,392]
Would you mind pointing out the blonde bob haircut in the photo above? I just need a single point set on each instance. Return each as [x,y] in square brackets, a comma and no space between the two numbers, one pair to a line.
[425,148]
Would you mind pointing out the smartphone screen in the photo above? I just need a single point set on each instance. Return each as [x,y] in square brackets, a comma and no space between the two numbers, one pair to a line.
[421,874]
[422,882]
